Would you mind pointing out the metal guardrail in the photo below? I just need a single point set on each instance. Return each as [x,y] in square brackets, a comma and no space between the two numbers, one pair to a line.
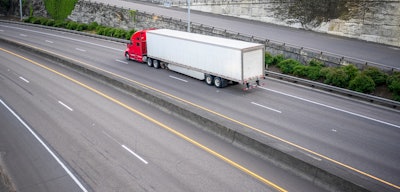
[365,97]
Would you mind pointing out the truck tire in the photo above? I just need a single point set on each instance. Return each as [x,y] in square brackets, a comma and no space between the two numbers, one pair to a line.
[209,79]
[156,64]
[127,56]
[220,82]
[150,62]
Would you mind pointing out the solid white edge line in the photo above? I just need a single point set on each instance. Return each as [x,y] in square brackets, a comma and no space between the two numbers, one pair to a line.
[173,77]
[274,110]
[60,36]
[46,147]
[314,157]
[23,79]
[65,105]
[79,49]
[334,108]
[124,62]
[136,155]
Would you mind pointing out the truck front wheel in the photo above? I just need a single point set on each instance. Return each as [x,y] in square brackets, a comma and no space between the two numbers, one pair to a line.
[209,79]
[127,56]
[149,62]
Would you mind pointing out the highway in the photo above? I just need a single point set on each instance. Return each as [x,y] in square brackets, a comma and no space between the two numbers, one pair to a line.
[112,141]
[330,44]
[362,136]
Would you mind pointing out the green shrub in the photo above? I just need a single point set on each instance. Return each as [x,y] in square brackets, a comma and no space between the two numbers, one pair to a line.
[351,71]
[100,30]
[377,75]
[61,24]
[324,71]
[362,83]
[50,22]
[339,77]
[99,27]
[393,82]
[43,21]
[287,66]
[268,58]
[110,32]
[336,77]
[35,20]
[92,26]
[313,70]
[72,25]
[300,71]
[277,59]
[273,60]
[310,72]
[313,73]
[120,33]
[315,63]
[81,27]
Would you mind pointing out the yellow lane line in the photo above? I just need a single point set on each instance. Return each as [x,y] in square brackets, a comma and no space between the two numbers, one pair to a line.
[225,117]
[212,152]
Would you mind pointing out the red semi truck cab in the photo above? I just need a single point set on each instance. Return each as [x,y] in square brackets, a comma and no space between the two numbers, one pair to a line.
[136,49]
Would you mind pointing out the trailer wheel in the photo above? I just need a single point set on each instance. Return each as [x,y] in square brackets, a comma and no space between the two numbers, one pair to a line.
[150,62]
[127,56]
[156,64]
[218,82]
[209,79]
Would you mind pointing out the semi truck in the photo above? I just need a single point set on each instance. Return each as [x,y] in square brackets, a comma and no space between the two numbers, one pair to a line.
[217,61]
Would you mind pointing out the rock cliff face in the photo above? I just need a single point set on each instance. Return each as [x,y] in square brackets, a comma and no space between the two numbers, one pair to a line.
[87,12]
[29,8]
[371,20]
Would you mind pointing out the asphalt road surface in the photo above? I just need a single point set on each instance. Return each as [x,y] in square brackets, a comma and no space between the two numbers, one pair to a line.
[23,153]
[112,141]
[360,135]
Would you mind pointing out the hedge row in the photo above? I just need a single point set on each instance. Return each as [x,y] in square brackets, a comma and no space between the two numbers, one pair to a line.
[92,27]
[348,76]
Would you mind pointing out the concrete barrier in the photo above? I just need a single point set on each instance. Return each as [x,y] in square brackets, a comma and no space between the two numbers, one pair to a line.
[321,173]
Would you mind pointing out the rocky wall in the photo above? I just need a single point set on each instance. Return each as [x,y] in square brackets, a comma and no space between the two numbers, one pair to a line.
[29,8]
[371,20]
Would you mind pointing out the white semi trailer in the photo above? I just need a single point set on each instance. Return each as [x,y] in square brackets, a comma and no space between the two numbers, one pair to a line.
[216,60]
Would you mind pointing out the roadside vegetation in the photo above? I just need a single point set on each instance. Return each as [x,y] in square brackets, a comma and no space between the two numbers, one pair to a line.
[370,80]
[93,27]
[59,9]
